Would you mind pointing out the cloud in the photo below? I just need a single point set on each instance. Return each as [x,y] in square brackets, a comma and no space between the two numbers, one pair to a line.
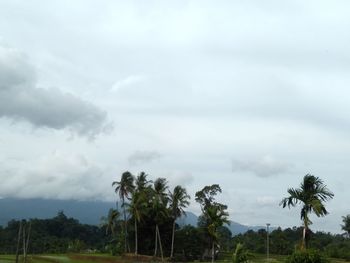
[21,100]
[266,166]
[266,201]
[58,176]
[140,157]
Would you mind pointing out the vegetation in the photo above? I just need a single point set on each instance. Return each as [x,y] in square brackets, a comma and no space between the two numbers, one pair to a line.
[312,194]
[147,225]
[307,256]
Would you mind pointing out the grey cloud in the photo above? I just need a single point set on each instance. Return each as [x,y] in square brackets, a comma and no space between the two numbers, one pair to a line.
[266,166]
[21,100]
[59,175]
[140,157]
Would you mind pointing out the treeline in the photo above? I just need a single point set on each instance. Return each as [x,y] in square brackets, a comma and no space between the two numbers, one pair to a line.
[285,242]
[57,235]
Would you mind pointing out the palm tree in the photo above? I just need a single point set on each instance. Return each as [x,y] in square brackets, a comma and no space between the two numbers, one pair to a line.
[137,208]
[110,222]
[124,188]
[215,216]
[312,194]
[138,204]
[159,203]
[346,226]
[178,201]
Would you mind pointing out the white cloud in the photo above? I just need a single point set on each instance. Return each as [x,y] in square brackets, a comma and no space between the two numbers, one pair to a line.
[57,176]
[265,166]
[21,100]
[141,157]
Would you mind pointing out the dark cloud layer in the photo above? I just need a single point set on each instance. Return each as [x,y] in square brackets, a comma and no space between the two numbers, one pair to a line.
[21,100]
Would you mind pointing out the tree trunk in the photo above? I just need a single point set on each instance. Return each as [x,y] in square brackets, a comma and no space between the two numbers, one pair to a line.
[27,243]
[172,241]
[125,231]
[18,240]
[156,243]
[160,244]
[303,244]
[212,252]
[24,244]
[136,241]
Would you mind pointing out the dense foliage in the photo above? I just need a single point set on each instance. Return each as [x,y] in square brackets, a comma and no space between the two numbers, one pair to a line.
[307,256]
[57,235]
[285,242]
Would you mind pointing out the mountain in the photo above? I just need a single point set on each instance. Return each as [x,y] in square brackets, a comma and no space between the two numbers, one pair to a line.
[87,212]
[235,228]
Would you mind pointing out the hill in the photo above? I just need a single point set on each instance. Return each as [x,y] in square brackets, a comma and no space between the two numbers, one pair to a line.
[87,212]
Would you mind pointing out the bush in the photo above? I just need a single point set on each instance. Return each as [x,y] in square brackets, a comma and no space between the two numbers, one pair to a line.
[307,256]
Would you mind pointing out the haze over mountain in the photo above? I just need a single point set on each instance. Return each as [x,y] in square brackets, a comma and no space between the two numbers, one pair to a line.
[87,212]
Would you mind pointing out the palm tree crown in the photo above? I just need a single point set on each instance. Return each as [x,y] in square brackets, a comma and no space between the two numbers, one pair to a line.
[312,194]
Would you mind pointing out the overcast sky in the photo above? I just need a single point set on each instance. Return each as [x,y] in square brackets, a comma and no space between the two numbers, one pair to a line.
[251,95]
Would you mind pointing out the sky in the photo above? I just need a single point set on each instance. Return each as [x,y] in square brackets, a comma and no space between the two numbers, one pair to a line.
[251,95]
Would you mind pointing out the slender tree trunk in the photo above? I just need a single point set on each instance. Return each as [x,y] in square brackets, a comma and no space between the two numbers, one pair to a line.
[212,252]
[18,240]
[125,231]
[160,244]
[136,241]
[304,243]
[172,241]
[28,237]
[24,244]
[156,242]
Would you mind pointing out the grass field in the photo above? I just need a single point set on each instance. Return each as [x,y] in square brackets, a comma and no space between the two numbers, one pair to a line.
[104,258]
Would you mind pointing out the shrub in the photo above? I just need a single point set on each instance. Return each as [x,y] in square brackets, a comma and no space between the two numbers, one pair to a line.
[307,256]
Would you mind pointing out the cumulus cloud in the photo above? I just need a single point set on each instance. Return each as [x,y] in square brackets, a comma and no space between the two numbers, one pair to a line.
[140,157]
[57,176]
[262,167]
[21,100]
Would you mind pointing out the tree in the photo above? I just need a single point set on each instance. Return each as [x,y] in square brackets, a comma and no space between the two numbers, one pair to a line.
[214,214]
[159,205]
[346,226]
[178,201]
[138,205]
[124,188]
[111,222]
[312,194]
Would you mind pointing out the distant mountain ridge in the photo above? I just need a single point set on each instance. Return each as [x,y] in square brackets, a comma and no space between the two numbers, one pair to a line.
[87,212]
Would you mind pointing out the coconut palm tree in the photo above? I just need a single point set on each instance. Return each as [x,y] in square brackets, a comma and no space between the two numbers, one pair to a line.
[124,188]
[215,216]
[311,195]
[178,201]
[136,208]
[111,221]
[138,205]
[159,206]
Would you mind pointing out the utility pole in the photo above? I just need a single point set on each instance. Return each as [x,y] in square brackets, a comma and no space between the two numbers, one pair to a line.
[267,242]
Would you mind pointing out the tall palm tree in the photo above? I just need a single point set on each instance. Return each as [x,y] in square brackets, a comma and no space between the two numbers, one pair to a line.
[178,201]
[138,205]
[159,206]
[137,208]
[124,188]
[215,216]
[312,194]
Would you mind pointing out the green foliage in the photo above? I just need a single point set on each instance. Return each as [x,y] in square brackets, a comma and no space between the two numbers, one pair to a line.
[307,256]
[241,254]
[312,194]
[346,225]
